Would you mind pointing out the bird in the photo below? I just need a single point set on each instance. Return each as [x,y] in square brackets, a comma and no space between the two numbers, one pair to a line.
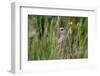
[62,38]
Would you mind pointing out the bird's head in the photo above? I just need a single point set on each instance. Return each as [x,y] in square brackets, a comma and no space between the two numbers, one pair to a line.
[62,31]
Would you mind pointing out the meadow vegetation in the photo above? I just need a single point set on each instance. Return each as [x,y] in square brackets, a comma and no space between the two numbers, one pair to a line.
[44,33]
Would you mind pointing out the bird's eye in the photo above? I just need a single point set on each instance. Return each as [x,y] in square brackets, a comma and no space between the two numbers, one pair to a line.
[62,29]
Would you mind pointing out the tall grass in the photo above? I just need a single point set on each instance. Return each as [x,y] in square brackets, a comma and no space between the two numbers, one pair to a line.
[43,44]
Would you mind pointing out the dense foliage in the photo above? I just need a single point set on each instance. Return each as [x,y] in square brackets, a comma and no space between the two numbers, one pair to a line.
[44,34]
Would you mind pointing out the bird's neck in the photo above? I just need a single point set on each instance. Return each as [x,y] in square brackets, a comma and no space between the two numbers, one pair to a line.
[62,35]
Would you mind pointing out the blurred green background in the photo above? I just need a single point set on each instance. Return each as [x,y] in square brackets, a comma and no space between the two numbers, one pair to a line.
[44,34]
